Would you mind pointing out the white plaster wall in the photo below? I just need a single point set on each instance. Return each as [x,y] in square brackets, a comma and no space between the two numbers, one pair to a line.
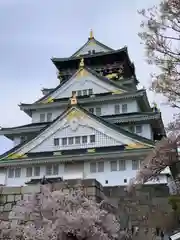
[146,131]
[83,171]
[55,114]
[23,179]
[116,177]
[106,109]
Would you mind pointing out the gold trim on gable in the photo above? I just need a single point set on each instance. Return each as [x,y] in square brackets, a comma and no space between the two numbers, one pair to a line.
[117,92]
[49,100]
[16,156]
[74,114]
[136,146]
[82,73]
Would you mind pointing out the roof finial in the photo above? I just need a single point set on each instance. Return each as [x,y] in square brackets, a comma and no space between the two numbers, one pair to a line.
[91,35]
[73,99]
[81,65]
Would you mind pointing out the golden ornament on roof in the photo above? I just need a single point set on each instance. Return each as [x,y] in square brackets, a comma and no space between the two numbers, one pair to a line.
[91,35]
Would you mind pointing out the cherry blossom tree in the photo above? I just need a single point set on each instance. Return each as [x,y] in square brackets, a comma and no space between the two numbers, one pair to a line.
[161,38]
[163,155]
[54,215]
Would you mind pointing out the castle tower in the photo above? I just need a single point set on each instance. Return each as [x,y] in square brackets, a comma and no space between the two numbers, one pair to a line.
[94,124]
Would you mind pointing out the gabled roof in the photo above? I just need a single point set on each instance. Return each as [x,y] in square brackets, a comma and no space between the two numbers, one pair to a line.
[141,141]
[73,58]
[92,40]
[94,73]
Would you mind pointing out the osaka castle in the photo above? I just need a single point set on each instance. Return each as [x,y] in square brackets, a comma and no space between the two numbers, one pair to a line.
[95,124]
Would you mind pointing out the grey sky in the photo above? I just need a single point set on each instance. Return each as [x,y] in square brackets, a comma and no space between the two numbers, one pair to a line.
[32,31]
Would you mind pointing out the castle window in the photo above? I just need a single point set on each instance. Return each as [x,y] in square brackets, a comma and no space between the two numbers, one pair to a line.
[85,92]
[10,172]
[73,92]
[98,111]
[37,171]
[92,138]
[113,166]
[125,180]
[56,141]
[17,172]
[91,110]
[42,117]
[93,167]
[55,169]
[64,141]
[49,117]
[93,51]
[131,128]
[84,139]
[100,166]
[79,93]
[139,129]
[49,170]
[29,172]
[135,164]
[116,109]
[23,138]
[90,91]
[70,140]
[124,108]
[122,165]
[77,140]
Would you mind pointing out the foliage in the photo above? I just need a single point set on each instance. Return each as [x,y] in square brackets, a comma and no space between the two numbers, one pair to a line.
[161,37]
[163,155]
[54,215]
[174,201]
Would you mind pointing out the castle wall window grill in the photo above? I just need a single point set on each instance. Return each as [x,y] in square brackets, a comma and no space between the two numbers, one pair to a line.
[17,172]
[98,111]
[117,108]
[52,169]
[135,129]
[75,140]
[135,164]
[14,172]
[124,108]
[118,165]
[56,141]
[84,92]
[138,129]
[120,108]
[70,140]
[113,165]
[37,171]
[29,172]
[96,167]
[42,117]
[10,172]
[91,110]
[122,165]
[49,117]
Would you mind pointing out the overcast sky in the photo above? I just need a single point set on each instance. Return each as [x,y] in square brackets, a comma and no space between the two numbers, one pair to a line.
[32,31]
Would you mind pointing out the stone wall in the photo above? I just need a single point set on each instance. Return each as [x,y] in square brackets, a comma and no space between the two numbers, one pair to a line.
[10,195]
[145,208]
